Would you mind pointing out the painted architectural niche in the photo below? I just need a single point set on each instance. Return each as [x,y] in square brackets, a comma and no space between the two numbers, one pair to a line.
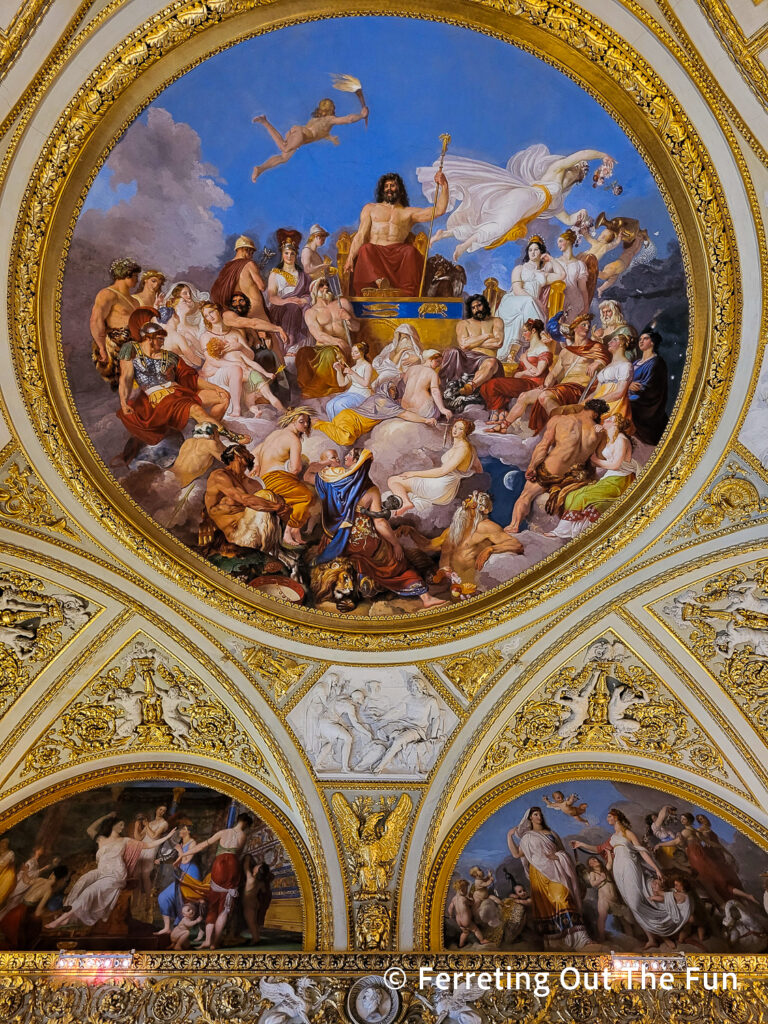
[256,326]
[599,866]
[152,865]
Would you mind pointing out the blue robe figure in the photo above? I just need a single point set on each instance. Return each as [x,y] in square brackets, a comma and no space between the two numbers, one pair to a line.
[649,404]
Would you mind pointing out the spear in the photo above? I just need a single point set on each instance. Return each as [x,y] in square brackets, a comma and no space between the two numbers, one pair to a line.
[445,139]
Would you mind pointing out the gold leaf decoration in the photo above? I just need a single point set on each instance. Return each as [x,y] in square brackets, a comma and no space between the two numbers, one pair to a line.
[23,501]
[280,671]
[470,671]
[610,701]
[372,834]
[35,624]
[724,620]
[733,498]
[144,705]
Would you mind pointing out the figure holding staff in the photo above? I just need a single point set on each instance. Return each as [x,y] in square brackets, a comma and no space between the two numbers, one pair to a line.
[380,255]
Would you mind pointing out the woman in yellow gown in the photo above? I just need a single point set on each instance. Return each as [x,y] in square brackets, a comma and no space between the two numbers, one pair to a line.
[7,871]
[553,880]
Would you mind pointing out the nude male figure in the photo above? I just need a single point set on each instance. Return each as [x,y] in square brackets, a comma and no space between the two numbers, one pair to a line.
[616,230]
[231,496]
[317,127]
[460,909]
[478,339]
[561,456]
[326,319]
[414,720]
[422,393]
[279,464]
[259,333]
[111,311]
[467,544]
[379,254]
[340,721]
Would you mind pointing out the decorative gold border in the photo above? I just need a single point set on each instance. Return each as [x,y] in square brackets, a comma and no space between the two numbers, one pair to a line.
[429,924]
[241,710]
[315,923]
[677,141]
[20,30]
[741,49]
[206,665]
[660,757]
[472,743]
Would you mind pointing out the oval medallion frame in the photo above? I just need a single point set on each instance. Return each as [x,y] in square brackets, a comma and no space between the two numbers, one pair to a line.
[183,36]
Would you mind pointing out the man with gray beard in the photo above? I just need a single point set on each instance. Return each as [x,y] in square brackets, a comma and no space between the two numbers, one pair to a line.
[466,545]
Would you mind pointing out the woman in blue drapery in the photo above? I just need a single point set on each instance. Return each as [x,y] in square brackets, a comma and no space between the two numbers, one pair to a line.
[355,525]
[172,897]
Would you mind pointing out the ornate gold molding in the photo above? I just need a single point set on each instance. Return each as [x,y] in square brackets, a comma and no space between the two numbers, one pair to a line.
[19,31]
[723,621]
[681,46]
[470,671]
[280,671]
[733,498]
[142,701]
[192,988]
[703,693]
[736,44]
[605,699]
[372,835]
[24,500]
[665,124]
[37,623]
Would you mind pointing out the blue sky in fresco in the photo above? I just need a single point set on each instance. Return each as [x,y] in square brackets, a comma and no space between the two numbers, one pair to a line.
[488,847]
[420,79]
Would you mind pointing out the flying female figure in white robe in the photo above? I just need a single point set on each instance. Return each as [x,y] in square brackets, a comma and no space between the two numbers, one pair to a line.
[496,204]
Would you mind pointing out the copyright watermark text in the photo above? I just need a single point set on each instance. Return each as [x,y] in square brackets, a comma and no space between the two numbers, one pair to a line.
[570,978]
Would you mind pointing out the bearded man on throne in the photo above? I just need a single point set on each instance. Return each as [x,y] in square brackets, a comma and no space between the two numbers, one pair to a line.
[380,255]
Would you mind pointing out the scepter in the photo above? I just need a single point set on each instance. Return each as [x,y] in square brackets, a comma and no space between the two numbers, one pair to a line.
[445,139]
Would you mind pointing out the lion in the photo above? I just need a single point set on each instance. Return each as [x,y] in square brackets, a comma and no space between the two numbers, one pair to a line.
[335,581]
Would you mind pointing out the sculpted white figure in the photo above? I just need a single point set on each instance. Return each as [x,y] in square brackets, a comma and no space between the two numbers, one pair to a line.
[372,727]
[289,1005]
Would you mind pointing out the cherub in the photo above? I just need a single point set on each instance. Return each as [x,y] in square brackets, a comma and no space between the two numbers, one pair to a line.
[460,909]
[187,930]
[569,806]
[521,895]
[487,904]
[599,878]
[657,891]
[318,127]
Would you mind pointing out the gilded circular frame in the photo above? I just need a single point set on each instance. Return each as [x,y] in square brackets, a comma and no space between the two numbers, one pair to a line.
[184,35]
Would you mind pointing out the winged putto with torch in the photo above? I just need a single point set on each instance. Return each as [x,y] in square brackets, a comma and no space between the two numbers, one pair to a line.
[318,127]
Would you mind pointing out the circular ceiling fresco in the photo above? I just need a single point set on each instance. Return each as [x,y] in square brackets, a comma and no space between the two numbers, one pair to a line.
[364,343]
